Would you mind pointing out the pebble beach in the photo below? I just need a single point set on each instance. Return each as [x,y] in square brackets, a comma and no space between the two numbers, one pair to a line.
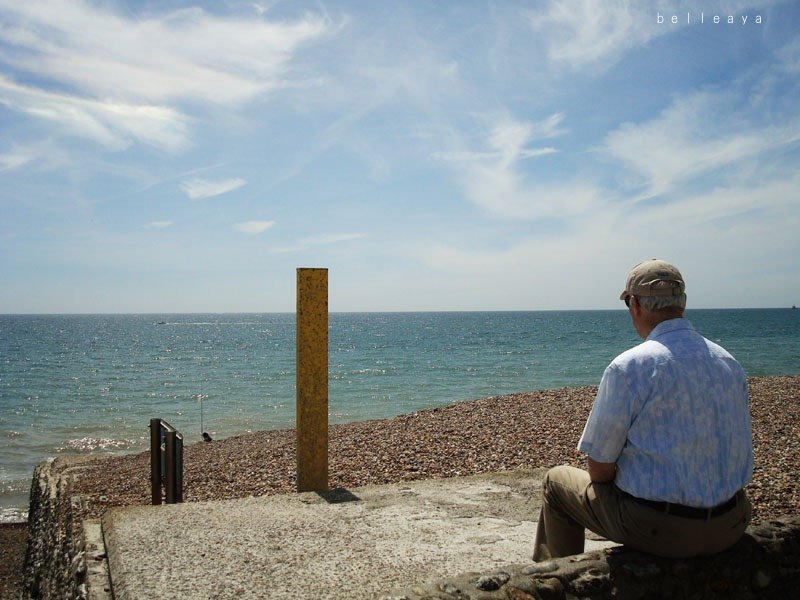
[525,430]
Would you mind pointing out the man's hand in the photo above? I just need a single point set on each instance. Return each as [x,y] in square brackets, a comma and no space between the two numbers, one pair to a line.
[601,472]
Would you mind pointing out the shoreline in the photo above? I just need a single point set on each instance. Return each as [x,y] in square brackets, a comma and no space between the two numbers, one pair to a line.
[275,447]
[498,433]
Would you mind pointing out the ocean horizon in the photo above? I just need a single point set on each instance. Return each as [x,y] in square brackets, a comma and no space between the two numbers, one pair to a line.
[81,383]
[363,312]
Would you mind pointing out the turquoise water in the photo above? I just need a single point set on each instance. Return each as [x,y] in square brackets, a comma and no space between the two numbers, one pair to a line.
[79,383]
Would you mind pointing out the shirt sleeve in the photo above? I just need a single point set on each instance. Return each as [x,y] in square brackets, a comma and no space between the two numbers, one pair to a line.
[606,429]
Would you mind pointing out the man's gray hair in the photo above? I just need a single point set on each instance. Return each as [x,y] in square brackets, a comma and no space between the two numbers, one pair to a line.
[651,303]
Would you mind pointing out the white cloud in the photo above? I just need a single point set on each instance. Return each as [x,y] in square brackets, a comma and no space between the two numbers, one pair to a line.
[115,125]
[122,82]
[159,224]
[320,240]
[704,234]
[504,193]
[186,53]
[466,155]
[596,33]
[726,207]
[253,227]
[497,182]
[549,127]
[789,55]
[688,139]
[510,137]
[529,273]
[588,31]
[15,160]
[198,189]
[331,238]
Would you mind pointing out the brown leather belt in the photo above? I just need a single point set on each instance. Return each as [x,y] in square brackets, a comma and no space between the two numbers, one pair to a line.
[687,512]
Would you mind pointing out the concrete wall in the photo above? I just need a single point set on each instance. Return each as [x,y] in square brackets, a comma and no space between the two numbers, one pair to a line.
[763,565]
[55,565]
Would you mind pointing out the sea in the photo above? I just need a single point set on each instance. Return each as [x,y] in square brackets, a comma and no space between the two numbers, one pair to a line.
[91,383]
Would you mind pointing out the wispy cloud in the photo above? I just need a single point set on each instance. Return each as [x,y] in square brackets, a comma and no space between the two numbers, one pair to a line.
[504,192]
[466,155]
[498,182]
[253,227]
[597,33]
[15,159]
[456,149]
[729,209]
[331,238]
[198,189]
[320,240]
[722,218]
[789,56]
[114,124]
[125,80]
[156,56]
[508,140]
[589,31]
[688,140]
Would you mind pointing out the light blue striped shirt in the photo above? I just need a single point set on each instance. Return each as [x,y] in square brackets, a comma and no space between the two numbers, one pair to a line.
[673,414]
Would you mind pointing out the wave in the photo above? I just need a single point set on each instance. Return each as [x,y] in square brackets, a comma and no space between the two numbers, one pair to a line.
[91,444]
[178,323]
[13,515]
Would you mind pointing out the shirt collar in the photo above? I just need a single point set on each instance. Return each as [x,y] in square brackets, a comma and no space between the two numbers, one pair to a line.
[669,326]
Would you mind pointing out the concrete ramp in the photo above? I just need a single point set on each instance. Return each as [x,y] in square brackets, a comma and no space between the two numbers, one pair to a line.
[359,543]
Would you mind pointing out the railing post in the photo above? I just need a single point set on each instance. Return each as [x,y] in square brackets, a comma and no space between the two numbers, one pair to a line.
[312,380]
[155,460]
[166,463]
[169,475]
[179,468]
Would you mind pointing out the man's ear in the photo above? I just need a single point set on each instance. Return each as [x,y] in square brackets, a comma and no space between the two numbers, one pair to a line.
[636,308]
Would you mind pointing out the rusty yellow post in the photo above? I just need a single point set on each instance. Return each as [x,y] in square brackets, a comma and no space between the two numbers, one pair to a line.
[312,380]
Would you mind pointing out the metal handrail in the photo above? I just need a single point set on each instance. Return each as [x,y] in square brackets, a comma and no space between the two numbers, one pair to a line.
[166,462]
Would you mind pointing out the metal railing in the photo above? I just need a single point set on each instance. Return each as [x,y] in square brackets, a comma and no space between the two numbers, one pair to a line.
[166,462]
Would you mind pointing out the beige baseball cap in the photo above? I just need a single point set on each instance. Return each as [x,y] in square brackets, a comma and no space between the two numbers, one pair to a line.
[644,277]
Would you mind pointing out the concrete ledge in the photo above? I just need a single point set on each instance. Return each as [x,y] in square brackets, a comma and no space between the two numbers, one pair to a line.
[96,560]
[343,544]
[764,564]
[413,537]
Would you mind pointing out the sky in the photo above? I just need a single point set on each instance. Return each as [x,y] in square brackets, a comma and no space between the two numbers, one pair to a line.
[170,156]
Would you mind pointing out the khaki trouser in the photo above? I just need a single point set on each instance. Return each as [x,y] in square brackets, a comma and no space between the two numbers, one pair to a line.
[572,502]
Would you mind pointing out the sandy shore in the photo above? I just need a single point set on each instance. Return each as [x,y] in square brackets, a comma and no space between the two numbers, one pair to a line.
[534,429]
